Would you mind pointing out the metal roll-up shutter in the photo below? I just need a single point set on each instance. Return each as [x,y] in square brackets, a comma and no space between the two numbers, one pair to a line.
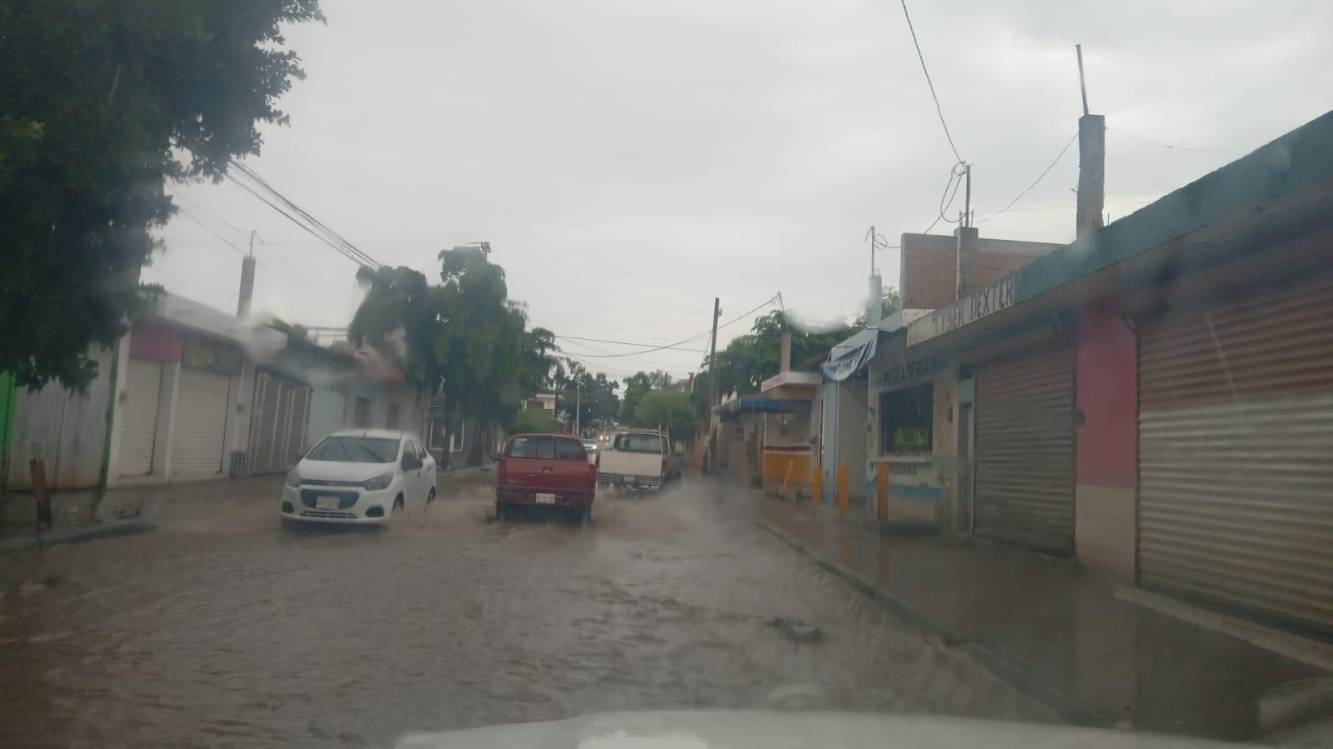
[1024,479]
[1236,456]
[278,425]
[138,437]
[201,422]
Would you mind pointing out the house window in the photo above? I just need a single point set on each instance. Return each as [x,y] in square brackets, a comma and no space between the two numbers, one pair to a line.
[391,418]
[905,421]
[456,437]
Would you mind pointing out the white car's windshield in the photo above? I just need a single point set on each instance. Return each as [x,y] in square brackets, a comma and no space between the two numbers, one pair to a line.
[355,450]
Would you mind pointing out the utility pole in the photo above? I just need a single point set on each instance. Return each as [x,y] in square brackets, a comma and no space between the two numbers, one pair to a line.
[1091,162]
[247,280]
[712,354]
[578,409]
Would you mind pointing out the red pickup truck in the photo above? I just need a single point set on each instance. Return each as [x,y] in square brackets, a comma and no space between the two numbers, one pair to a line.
[545,469]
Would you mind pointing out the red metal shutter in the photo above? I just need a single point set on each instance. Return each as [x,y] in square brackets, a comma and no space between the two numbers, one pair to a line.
[1024,485]
[1236,456]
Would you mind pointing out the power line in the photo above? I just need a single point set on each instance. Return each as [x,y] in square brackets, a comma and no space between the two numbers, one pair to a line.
[209,229]
[681,342]
[625,343]
[1039,178]
[954,174]
[307,222]
[328,232]
[201,209]
[1167,146]
[938,109]
[340,250]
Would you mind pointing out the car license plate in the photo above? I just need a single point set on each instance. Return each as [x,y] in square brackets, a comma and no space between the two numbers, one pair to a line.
[545,499]
[326,502]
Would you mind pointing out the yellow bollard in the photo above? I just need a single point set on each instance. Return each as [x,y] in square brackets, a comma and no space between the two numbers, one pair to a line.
[842,488]
[786,478]
[818,492]
[882,490]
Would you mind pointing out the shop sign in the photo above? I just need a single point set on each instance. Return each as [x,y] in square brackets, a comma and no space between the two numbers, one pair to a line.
[964,312]
[908,373]
[205,353]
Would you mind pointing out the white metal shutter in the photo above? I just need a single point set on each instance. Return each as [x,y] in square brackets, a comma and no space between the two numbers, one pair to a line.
[139,428]
[278,424]
[1024,427]
[1236,456]
[201,422]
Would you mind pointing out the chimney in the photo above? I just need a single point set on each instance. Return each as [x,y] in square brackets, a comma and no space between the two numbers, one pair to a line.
[875,305]
[247,286]
[784,352]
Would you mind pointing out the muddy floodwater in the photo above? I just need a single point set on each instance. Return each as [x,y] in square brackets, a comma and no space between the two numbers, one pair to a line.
[222,628]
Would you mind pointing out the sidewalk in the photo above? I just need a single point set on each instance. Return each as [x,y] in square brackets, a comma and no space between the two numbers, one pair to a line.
[1059,634]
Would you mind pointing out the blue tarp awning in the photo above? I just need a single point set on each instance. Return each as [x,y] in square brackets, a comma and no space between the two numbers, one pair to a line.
[850,356]
[760,404]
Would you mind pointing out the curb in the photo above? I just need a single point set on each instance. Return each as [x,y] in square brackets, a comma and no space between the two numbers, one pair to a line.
[38,542]
[1020,676]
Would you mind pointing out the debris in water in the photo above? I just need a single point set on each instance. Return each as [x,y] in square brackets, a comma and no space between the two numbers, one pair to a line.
[796,630]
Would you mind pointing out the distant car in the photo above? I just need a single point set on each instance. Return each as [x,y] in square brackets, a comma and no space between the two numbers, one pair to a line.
[545,469]
[590,446]
[359,476]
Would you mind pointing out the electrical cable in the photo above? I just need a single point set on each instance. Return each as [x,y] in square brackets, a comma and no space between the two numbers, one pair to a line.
[294,220]
[704,334]
[1039,178]
[627,343]
[208,229]
[252,174]
[938,109]
[309,223]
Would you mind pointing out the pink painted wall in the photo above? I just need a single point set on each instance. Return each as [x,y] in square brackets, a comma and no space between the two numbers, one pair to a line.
[1107,395]
[158,343]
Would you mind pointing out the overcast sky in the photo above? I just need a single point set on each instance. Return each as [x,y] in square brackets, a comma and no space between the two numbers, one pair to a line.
[629,160]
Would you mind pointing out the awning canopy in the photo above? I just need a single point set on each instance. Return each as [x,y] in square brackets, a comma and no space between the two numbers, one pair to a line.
[850,356]
[760,404]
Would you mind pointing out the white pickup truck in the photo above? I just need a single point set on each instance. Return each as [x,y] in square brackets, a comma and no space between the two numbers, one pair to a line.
[638,459]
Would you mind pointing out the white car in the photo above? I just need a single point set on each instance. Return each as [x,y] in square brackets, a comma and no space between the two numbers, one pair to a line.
[359,476]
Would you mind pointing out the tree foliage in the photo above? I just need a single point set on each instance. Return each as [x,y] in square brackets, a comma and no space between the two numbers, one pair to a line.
[98,98]
[637,386]
[669,409]
[532,421]
[594,397]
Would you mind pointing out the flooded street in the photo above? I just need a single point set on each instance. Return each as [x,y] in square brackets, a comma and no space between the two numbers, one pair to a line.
[222,628]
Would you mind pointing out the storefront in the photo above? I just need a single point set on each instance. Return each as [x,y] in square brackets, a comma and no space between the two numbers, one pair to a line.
[1023,475]
[913,433]
[278,426]
[1236,453]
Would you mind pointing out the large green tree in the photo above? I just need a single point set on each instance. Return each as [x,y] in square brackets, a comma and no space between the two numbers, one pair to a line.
[669,409]
[592,396]
[101,102]
[463,337]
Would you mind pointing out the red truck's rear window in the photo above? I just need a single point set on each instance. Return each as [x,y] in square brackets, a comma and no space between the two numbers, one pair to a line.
[546,448]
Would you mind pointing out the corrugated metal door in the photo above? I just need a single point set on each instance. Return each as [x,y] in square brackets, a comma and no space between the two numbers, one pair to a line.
[201,422]
[143,385]
[1024,470]
[278,427]
[1236,456]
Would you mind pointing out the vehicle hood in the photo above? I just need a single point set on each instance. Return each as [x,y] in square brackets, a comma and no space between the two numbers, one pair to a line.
[785,730]
[327,470]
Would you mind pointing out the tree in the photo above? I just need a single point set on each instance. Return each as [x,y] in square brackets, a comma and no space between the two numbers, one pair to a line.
[752,358]
[593,396]
[668,409]
[98,98]
[532,421]
[464,337]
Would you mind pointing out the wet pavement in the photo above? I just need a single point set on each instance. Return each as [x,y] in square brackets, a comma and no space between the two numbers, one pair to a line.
[1060,632]
[223,629]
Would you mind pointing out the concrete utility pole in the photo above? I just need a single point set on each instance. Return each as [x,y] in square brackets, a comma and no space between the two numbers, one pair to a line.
[1091,162]
[712,354]
[578,409]
[247,280]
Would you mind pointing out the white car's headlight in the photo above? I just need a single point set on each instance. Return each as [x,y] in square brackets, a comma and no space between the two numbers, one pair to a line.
[294,478]
[377,483]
